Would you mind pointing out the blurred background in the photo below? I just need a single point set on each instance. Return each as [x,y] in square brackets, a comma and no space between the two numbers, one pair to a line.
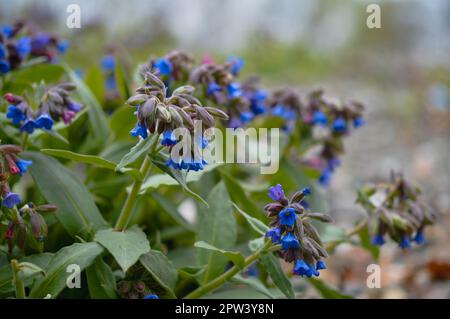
[401,72]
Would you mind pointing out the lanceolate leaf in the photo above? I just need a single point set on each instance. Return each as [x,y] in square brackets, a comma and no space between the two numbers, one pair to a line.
[77,211]
[101,281]
[216,226]
[277,274]
[141,148]
[256,224]
[56,272]
[236,257]
[161,270]
[253,283]
[326,291]
[125,246]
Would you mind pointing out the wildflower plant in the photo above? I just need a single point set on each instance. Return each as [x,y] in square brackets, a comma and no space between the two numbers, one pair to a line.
[121,194]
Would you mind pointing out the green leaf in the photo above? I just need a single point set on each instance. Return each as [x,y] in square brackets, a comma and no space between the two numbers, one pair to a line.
[56,272]
[216,226]
[94,80]
[161,270]
[125,246]
[46,72]
[277,274]
[28,270]
[170,208]
[326,291]
[141,148]
[366,243]
[256,224]
[236,257]
[101,281]
[77,211]
[256,243]
[253,283]
[97,119]
[121,82]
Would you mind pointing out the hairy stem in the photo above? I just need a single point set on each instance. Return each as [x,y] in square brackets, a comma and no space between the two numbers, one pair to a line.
[127,208]
[20,288]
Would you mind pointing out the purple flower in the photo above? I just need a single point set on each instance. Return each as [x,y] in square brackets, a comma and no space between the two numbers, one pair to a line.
[276,192]
[11,199]
[75,107]
[289,241]
[274,234]
[287,217]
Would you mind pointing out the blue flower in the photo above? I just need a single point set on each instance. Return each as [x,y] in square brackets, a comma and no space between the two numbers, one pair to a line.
[405,243]
[11,199]
[312,271]
[4,66]
[287,217]
[2,51]
[246,117]
[28,126]
[7,31]
[257,102]
[419,238]
[108,63]
[23,166]
[15,114]
[139,130]
[339,125]
[320,265]
[276,192]
[289,241]
[75,107]
[40,41]
[325,177]
[168,138]
[63,46]
[320,118]
[164,66]
[110,83]
[274,234]
[234,90]
[306,191]
[151,296]
[44,121]
[23,46]
[358,122]
[213,87]
[378,240]
[300,267]
[237,64]
[278,110]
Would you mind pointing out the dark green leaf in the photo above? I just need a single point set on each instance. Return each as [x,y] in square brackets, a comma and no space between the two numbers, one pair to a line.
[256,224]
[253,283]
[236,257]
[277,274]
[101,281]
[326,291]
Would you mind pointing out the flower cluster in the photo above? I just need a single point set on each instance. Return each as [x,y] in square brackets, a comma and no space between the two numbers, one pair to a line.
[396,210]
[135,290]
[19,43]
[286,104]
[54,105]
[27,224]
[328,122]
[10,164]
[160,114]
[292,228]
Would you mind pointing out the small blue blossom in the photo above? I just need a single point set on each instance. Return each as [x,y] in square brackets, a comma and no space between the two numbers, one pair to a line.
[15,114]
[23,166]
[378,240]
[139,130]
[306,191]
[63,45]
[75,107]
[237,64]
[257,100]
[168,138]
[234,90]
[44,121]
[278,110]
[23,46]
[11,199]
[246,117]
[339,125]
[419,238]
[7,31]
[405,243]
[312,271]
[287,217]
[289,241]
[40,41]
[274,234]
[358,122]
[28,126]
[276,192]
[108,63]
[321,265]
[151,296]
[2,51]
[325,177]
[164,66]
[320,118]
[4,67]
[213,87]
[300,267]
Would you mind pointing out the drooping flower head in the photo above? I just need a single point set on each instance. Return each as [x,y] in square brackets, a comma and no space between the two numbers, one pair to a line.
[292,228]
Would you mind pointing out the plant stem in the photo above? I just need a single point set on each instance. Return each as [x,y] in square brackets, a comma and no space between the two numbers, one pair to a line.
[20,288]
[219,281]
[358,227]
[127,208]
